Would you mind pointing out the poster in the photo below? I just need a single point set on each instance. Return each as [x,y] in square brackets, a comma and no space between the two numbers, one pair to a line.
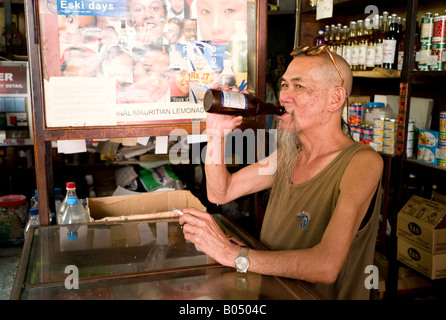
[109,62]
[15,106]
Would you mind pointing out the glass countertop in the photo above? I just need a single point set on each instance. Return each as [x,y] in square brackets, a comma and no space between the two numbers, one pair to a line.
[109,250]
[141,260]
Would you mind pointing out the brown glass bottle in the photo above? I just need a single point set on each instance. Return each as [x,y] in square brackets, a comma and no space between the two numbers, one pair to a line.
[235,104]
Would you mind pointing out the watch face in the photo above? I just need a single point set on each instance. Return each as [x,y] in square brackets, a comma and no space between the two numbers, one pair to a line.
[241,263]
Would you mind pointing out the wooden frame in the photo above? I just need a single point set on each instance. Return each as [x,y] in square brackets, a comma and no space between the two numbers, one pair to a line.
[44,135]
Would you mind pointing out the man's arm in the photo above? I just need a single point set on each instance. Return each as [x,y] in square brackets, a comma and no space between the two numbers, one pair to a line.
[321,263]
[222,186]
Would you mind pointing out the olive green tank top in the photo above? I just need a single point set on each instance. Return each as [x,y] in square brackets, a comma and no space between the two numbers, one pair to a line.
[307,214]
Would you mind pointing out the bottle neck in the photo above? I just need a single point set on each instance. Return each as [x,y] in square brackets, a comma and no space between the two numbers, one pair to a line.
[71,192]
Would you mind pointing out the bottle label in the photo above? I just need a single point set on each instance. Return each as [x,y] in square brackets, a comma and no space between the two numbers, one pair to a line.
[370,58]
[234,100]
[400,60]
[354,55]
[347,54]
[71,200]
[379,54]
[362,52]
[389,51]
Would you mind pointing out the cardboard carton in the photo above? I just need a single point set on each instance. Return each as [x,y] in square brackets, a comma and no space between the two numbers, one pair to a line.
[431,265]
[142,206]
[421,222]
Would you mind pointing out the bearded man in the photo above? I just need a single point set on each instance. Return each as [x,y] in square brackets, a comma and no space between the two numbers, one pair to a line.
[322,217]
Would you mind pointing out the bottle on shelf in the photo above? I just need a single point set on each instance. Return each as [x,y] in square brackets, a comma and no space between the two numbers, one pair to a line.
[337,47]
[348,47]
[233,103]
[33,219]
[371,46]
[331,39]
[362,45]
[71,212]
[378,27]
[391,45]
[344,38]
[320,39]
[327,34]
[354,46]
[380,36]
[402,36]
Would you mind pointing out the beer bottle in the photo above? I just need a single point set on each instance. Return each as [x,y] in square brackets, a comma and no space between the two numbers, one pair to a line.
[235,104]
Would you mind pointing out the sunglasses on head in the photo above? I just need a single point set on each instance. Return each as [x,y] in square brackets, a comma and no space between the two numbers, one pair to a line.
[315,50]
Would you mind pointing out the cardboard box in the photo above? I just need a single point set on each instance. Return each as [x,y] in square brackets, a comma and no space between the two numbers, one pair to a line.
[141,206]
[431,265]
[421,222]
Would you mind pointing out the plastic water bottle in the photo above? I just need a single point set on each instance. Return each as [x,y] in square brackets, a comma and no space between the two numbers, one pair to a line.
[33,219]
[72,212]
[33,201]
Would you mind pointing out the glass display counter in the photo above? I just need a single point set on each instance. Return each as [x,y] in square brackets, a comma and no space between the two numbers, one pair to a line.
[144,260]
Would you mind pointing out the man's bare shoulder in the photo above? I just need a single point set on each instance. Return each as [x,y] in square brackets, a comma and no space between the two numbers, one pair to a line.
[369,159]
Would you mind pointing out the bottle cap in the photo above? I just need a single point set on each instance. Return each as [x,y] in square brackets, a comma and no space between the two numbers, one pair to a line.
[71,185]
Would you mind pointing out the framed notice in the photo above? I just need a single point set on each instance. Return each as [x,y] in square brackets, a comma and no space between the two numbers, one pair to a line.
[119,62]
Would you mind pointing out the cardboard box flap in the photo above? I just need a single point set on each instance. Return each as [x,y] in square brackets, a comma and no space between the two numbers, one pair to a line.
[144,203]
[426,212]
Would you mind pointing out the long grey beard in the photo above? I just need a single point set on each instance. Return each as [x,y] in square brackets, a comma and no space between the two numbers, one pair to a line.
[288,148]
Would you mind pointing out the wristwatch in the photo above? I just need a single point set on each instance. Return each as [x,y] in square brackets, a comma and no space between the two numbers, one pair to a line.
[242,261]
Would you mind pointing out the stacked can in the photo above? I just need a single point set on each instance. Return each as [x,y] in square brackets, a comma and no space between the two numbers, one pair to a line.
[378,133]
[389,136]
[427,29]
[410,137]
[355,114]
[439,42]
[442,138]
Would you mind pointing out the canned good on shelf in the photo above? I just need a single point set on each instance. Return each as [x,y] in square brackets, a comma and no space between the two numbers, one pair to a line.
[439,30]
[389,142]
[389,134]
[389,149]
[390,124]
